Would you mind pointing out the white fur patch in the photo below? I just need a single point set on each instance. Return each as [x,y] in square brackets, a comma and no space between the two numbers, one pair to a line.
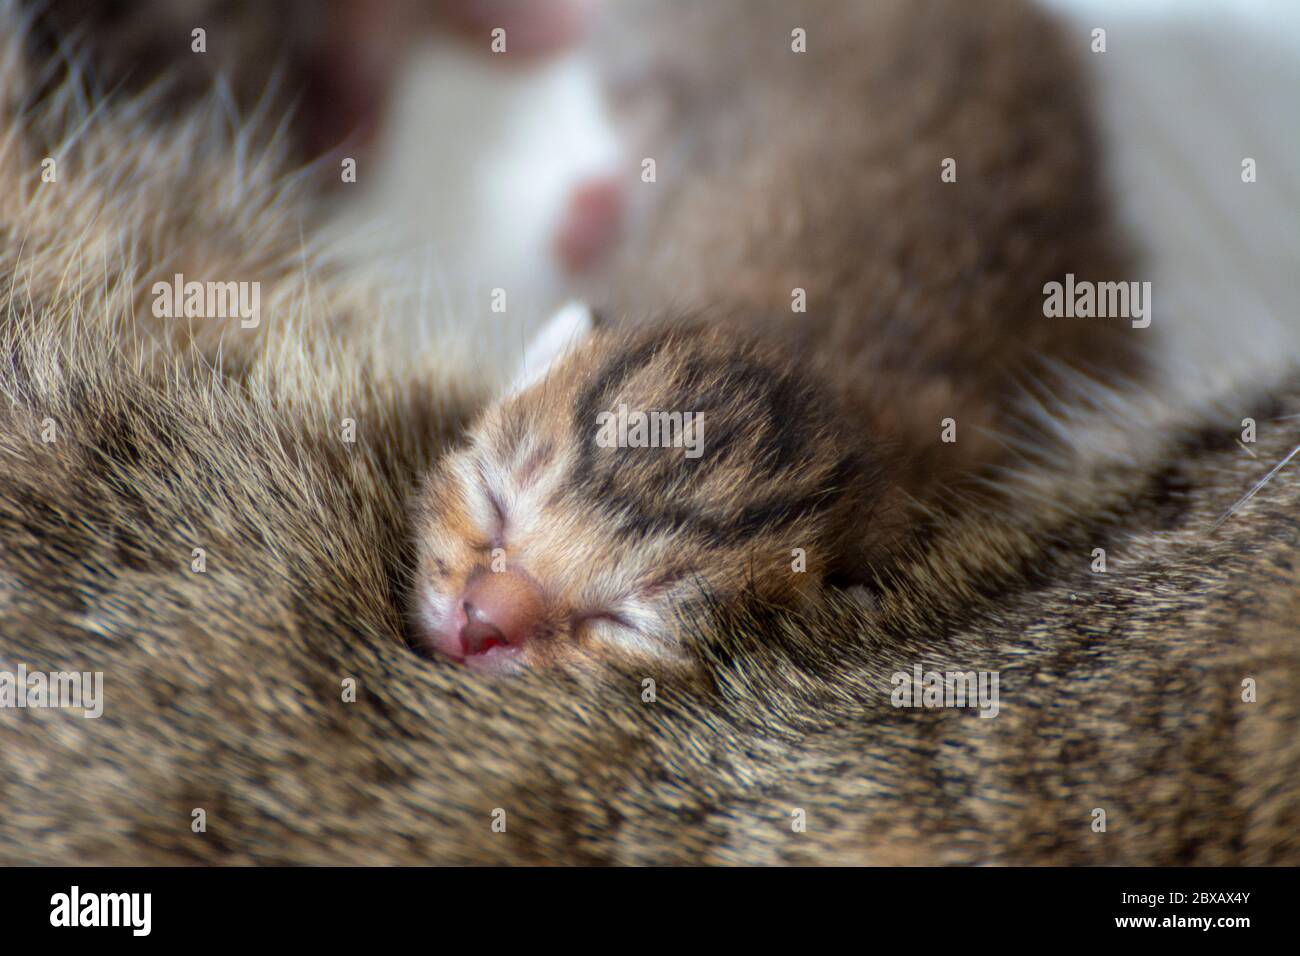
[567,328]
[471,177]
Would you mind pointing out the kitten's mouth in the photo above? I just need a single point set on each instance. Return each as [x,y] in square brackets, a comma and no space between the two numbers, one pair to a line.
[498,659]
[483,646]
[480,649]
[477,633]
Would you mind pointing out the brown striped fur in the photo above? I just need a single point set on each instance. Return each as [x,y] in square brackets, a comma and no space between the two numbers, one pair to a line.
[1121,690]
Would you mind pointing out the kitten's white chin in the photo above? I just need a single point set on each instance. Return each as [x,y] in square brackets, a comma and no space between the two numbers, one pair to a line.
[497,660]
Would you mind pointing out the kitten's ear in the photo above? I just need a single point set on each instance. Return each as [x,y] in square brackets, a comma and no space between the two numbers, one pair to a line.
[565,330]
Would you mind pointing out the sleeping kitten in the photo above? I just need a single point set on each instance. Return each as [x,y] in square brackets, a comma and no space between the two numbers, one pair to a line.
[853,325]
[544,538]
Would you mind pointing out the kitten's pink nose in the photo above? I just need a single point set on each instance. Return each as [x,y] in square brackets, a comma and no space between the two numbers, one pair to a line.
[501,608]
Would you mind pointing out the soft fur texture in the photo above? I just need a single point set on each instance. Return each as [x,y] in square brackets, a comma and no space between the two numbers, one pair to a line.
[813,175]
[224,688]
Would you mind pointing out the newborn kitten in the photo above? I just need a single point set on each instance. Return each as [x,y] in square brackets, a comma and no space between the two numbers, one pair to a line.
[542,539]
[806,277]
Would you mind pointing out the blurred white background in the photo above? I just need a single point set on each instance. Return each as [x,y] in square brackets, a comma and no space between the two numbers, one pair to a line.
[480,161]
[1187,89]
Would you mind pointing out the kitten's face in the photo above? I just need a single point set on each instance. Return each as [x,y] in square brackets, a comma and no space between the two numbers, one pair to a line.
[541,544]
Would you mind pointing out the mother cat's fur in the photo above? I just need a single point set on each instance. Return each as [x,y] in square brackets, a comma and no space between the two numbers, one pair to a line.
[224,689]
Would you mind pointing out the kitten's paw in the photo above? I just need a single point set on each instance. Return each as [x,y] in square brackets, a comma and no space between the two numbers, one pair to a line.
[590,225]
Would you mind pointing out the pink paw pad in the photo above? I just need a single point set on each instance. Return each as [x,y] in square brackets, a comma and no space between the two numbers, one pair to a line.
[590,224]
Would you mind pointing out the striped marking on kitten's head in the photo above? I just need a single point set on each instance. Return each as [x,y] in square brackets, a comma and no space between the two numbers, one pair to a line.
[540,543]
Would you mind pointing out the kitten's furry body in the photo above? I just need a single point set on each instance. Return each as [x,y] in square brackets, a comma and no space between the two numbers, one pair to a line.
[223,689]
[862,333]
